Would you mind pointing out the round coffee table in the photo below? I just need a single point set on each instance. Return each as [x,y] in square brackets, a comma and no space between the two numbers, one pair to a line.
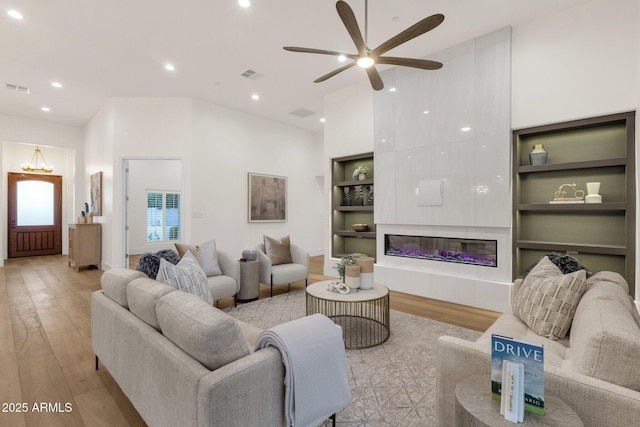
[363,315]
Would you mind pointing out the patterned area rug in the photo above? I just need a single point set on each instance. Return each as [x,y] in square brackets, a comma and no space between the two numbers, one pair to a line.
[392,384]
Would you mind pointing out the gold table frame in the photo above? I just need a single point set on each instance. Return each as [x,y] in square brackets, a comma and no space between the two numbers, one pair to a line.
[363,315]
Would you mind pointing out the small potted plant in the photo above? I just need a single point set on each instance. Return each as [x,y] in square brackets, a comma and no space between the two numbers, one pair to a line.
[341,265]
[360,173]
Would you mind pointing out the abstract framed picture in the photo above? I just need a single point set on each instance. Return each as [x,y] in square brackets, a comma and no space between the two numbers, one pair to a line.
[267,198]
[96,194]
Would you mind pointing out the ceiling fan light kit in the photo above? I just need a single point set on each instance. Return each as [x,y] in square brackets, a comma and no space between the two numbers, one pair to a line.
[368,58]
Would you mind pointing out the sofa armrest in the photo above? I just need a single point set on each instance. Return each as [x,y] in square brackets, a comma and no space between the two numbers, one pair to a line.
[299,255]
[456,359]
[258,379]
[265,265]
[229,266]
[597,403]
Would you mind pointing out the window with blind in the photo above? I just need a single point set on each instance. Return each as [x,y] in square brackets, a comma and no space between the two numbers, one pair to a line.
[163,216]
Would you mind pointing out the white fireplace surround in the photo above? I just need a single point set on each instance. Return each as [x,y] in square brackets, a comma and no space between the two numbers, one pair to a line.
[454,126]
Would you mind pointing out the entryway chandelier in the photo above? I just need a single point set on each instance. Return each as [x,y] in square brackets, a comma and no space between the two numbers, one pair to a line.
[32,166]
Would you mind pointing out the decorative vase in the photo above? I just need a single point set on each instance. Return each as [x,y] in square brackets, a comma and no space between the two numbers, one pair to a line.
[357,195]
[346,201]
[593,188]
[365,195]
[352,276]
[355,175]
[538,155]
[370,201]
[362,177]
[366,272]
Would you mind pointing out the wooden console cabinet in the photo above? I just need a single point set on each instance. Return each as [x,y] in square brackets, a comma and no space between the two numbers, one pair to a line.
[84,245]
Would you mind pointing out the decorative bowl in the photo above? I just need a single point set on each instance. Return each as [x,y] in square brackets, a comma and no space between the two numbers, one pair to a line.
[359,227]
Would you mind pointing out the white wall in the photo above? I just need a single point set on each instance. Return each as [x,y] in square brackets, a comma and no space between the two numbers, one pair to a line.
[229,144]
[63,148]
[581,62]
[217,147]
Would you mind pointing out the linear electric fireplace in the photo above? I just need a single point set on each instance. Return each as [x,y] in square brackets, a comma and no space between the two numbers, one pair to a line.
[461,251]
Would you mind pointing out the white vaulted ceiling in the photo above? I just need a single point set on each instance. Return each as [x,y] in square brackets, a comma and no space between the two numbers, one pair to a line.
[102,49]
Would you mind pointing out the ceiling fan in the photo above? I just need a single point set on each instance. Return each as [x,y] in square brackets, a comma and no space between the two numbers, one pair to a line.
[368,58]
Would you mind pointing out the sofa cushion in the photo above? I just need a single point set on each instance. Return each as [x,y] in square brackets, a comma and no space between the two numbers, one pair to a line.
[114,283]
[142,295]
[508,325]
[278,250]
[206,255]
[605,342]
[547,299]
[201,330]
[186,276]
[150,263]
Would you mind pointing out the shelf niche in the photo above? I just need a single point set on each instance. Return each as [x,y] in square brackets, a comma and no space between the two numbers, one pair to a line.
[345,240]
[600,235]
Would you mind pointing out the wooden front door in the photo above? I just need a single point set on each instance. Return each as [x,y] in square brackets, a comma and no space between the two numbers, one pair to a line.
[35,214]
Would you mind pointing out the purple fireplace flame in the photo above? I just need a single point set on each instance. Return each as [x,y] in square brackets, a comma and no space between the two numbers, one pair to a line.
[461,251]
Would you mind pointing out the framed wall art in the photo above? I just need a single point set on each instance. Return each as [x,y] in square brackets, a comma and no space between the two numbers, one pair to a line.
[267,198]
[96,194]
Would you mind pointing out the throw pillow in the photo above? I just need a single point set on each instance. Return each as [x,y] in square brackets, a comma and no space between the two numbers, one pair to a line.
[547,299]
[186,276]
[565,263]
[206,254]
[278,250]
[149,263]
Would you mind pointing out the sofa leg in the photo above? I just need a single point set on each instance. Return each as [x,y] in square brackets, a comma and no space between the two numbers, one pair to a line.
[306,282]
[96,362]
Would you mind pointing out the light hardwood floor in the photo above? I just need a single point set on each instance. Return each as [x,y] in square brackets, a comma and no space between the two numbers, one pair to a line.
[45,345]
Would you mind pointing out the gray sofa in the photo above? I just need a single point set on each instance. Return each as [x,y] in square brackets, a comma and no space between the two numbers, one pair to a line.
[595,369]
[180,361]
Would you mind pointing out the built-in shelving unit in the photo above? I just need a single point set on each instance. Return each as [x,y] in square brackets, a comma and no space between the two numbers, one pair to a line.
[600,235]
[344,210]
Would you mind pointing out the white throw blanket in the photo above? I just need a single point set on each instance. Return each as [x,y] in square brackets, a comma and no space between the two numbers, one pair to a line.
[316,368]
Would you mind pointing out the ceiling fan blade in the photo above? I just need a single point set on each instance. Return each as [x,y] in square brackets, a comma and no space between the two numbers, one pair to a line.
[351,24]
[417,29]
[374,78]
[320,51]
[333,73]
[424,64]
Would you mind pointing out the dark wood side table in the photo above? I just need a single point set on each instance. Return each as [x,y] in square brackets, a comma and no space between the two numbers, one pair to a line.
[249,281]
[476,408]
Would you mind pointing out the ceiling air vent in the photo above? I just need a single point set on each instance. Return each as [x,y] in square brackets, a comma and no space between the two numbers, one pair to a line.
[17,88]
[302,113]
[252,75]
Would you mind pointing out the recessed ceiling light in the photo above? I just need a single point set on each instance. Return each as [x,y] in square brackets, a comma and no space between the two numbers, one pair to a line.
[244,3]
[15,14]
[56,84]
[169,67]
[255,96]
[393,89]
[342,58]
[425,112]
[46,109]
[465,129]
[322,120]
